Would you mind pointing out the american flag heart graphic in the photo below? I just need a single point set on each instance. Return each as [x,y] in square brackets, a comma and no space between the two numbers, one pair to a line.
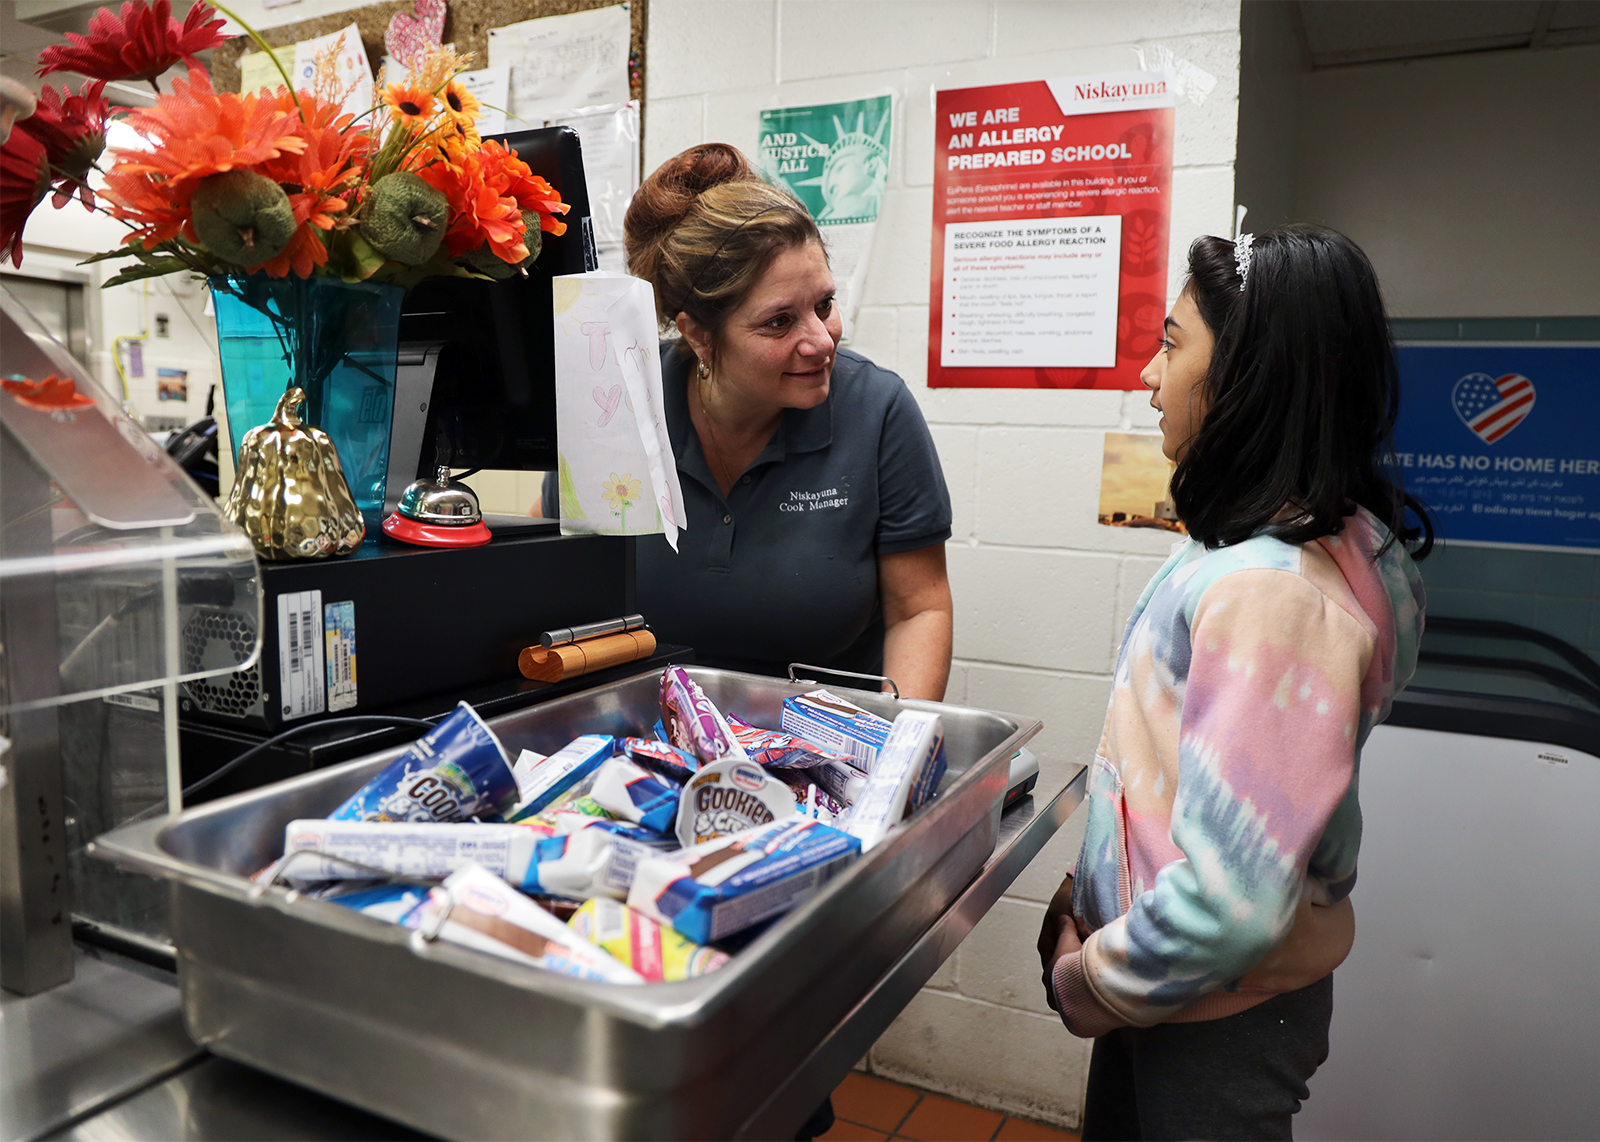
[1492,406]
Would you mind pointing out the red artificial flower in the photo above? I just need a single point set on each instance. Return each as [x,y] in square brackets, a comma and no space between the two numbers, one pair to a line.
[24,181]
[140,43]
[72,129]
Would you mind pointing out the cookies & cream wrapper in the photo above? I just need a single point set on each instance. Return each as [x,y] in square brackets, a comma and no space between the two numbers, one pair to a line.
[730,797]
[456,770]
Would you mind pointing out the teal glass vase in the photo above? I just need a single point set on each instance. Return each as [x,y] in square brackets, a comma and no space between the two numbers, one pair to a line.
[338,341]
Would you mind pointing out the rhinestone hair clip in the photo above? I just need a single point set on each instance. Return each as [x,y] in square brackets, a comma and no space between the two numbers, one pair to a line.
[1241,248]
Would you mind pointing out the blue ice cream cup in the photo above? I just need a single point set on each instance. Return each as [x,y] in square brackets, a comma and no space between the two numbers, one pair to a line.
[455,771]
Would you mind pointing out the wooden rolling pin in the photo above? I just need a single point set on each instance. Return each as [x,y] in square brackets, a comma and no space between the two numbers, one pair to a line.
[552,664]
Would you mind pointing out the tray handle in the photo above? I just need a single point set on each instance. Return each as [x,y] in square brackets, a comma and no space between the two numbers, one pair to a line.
[878,678]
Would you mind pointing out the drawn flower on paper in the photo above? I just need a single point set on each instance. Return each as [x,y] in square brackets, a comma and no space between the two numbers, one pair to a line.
[621,492]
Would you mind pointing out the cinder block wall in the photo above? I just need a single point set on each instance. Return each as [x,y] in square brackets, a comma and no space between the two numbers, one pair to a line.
[1041,589]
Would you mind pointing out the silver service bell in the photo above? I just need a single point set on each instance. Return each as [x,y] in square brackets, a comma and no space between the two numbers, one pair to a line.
[439,503]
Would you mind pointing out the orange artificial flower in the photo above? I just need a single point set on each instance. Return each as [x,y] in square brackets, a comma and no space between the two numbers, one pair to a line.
[479,213]
[304,253]
[194,133]
[333,162]
[460,104]
[409,105]
[509,175]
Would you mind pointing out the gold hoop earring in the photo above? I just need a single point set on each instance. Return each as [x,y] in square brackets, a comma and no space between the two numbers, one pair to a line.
[705,371]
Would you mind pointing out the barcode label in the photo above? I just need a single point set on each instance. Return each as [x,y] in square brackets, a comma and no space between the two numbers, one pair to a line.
[300,670]
[339,638]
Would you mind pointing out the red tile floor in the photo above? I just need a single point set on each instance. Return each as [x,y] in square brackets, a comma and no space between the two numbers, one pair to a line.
[868,1109]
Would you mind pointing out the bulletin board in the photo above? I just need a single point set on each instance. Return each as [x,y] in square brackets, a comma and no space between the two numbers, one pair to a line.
[466,25]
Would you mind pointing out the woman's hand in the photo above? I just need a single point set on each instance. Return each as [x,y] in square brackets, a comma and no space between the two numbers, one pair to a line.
[918,616]
[1058,936]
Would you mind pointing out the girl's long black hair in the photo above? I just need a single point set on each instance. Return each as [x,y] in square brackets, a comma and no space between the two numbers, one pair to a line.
[1300,398]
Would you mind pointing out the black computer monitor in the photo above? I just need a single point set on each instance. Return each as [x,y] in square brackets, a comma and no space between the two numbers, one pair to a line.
[493,403]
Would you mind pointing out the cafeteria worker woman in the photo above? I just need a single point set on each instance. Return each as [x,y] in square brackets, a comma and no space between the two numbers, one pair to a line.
[817,509]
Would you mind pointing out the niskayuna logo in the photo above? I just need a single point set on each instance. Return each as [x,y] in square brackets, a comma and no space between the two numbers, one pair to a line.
[1492,406]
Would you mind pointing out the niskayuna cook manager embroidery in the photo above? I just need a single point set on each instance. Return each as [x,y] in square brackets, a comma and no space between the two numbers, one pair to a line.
[834,497]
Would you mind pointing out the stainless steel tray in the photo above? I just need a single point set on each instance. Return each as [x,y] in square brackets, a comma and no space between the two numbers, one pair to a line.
[466,1045]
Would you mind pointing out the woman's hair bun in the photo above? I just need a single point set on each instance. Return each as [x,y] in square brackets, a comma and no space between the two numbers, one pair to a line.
[666,196]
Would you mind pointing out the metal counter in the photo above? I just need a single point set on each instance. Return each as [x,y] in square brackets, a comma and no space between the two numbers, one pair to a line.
[212,1098]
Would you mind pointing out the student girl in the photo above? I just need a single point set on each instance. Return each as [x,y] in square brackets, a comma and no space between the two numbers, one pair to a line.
[1196,940]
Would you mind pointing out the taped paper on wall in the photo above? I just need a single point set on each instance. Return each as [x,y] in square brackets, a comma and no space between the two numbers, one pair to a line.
[559,63]
[355,95]
[257,70]
[610,138]
[834,157]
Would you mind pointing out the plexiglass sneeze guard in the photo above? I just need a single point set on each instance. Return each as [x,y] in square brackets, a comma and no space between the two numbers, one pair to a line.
[120,580]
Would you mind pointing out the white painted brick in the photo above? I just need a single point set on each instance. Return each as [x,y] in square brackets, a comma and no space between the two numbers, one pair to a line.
[912,348]
[958,454]
[707,45]
[1202,203]
[999,961]
[1044,873]
[956,691]
[945,978]
[916,127]
[846,37]
[898,269]
[875,333]
[1033,608]
[1208,132]
[1012,1061]
[1024,26]
[672,126]
[1040,487]
[1137,410]
[1072,707]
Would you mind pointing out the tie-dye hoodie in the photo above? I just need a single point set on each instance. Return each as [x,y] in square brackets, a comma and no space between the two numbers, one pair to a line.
[1223,823]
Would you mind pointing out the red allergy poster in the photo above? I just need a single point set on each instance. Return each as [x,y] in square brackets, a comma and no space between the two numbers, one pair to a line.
[1051,210]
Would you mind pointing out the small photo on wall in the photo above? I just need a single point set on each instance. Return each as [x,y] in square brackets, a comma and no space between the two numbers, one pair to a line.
[1134,483]
[172,384]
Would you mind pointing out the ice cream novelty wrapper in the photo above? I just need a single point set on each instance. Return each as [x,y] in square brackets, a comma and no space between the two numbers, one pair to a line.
[692,721]
[720,888]
[775,749]
[544,781]
[730,797]
[647,946]
[906,774]
[456,770]
[626,791]
[837,725]
[486,913]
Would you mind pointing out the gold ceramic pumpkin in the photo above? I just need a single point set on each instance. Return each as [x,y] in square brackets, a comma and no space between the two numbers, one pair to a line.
[289,494]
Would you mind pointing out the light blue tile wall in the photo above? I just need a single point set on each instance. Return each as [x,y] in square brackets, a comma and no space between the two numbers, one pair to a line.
[1549,591]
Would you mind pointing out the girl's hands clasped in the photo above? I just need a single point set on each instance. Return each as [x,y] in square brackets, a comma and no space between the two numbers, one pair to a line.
[1058,936]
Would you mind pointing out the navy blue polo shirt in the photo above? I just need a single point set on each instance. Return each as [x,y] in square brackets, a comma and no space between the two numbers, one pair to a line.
[784,568]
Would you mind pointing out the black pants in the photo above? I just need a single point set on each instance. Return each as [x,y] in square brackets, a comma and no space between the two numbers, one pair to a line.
[1239,1077]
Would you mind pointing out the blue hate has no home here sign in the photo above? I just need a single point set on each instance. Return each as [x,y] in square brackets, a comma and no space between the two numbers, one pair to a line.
[1502,441]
